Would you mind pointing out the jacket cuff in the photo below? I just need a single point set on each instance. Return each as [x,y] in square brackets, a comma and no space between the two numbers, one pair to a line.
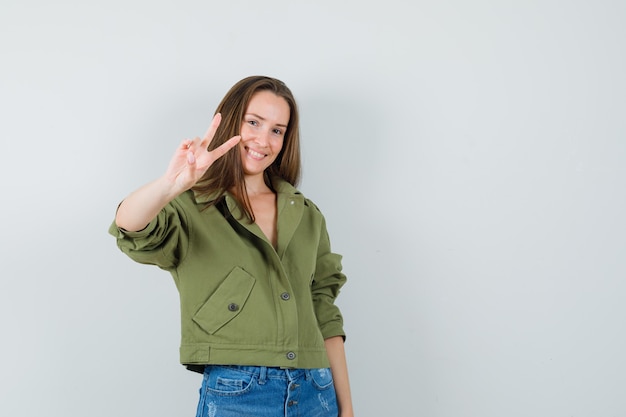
[333,329]
[120,233]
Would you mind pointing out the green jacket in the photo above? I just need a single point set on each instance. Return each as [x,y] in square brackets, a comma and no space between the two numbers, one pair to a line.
[243,302]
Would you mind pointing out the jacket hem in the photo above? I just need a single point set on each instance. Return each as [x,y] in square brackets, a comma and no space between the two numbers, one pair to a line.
[195,357]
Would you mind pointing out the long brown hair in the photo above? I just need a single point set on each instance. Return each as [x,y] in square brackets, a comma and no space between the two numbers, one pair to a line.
[227,172]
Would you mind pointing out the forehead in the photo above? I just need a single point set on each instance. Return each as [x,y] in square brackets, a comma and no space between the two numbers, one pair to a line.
[269,106]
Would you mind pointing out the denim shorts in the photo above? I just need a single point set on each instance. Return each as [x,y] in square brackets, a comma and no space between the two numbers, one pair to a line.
[258,391]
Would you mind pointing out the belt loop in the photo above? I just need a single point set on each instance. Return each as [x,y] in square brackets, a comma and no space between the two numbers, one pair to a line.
[262,374]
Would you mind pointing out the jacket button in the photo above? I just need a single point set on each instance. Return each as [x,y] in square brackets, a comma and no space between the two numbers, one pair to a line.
[292,202]
[233,307]
[291,356]
[285,296]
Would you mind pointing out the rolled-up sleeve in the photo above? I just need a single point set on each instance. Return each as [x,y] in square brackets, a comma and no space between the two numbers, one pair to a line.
[327,282]
[163,242]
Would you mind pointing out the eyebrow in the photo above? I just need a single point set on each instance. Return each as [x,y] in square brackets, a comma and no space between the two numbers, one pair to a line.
[263,118]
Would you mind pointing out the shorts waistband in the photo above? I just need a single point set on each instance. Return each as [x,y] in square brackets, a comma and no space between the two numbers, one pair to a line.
[266,372]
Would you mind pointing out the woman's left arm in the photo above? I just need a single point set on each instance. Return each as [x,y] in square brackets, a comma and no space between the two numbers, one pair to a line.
[338,365]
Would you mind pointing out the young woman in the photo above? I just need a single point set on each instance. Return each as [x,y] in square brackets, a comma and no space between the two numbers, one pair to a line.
[251,259]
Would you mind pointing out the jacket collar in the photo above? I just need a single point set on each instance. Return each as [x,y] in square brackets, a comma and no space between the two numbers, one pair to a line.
[282,188]
[289,205]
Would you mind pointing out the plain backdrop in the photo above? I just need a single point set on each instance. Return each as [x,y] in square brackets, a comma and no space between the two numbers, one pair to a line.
[469,156]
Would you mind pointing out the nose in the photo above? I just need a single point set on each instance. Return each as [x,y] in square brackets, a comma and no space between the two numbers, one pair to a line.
[262,138]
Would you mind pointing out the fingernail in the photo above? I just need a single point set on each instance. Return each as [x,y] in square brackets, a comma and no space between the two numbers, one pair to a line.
[190,158]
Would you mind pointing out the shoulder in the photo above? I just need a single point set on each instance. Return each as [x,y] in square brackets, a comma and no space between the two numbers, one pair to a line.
[187,209]
[287,190]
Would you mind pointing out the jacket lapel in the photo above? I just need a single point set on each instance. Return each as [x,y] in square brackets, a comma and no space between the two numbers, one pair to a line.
[290,207]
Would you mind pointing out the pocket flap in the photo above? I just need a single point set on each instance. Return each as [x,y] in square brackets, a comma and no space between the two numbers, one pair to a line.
[226,302]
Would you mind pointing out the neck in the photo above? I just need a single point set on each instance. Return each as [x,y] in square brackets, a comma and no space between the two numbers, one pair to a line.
[256,185]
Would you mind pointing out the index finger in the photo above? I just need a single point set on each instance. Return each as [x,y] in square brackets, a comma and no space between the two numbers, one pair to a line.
[208,136]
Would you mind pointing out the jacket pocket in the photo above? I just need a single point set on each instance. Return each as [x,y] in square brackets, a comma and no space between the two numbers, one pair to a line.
[226,302]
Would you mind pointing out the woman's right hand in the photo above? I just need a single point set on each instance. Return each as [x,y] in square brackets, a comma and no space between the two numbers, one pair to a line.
[192,158]
[189,163]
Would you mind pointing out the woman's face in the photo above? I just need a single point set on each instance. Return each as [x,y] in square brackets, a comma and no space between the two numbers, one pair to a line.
[263,131]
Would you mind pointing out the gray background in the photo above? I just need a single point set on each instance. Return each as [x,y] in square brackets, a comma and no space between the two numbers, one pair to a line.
[469,158]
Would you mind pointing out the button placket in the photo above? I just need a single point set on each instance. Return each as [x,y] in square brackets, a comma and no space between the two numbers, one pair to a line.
[293,396]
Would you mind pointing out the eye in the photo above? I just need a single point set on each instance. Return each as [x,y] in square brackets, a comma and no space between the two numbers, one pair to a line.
[253,122]
[278,132]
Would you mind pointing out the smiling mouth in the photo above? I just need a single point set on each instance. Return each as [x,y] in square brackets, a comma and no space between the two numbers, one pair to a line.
[254,154]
